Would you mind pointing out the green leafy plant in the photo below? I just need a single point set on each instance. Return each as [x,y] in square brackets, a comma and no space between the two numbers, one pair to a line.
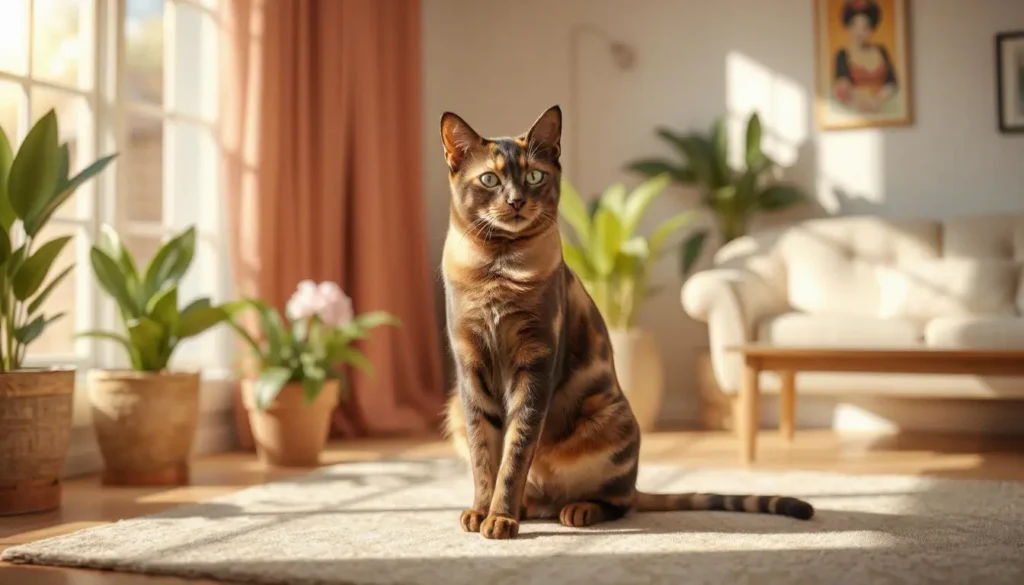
[609,258]
[733,195]
[34,183]
[147,300]
[309,346]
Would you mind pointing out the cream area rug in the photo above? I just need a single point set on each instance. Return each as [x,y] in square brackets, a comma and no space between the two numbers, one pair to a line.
[396,522]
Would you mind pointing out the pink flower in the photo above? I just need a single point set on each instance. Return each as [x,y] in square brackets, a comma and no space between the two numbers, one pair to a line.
[325,300]
[336,309]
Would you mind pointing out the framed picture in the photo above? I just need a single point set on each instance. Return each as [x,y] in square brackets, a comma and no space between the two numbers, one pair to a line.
[862,64]
[1010,81]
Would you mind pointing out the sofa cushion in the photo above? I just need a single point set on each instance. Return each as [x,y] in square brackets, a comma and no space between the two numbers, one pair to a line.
[830,263]
[927,288]
[856,331]
[975,332]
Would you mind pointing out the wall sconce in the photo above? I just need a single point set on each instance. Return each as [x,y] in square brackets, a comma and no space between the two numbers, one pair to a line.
[622,55]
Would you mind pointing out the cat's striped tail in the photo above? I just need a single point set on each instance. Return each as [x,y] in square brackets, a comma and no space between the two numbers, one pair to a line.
[782,505]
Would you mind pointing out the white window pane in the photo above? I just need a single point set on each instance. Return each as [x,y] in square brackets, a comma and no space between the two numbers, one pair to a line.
[59,337]
[75,120]
[195,74]
[193,173]
[62,40]
[12,112]
[144,50]
[144,169]
[14,36]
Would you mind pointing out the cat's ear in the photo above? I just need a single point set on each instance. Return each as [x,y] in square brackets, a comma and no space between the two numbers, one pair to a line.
[458,139]
[546,132]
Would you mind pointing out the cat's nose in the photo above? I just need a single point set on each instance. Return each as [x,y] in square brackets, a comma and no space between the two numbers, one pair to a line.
[517,202]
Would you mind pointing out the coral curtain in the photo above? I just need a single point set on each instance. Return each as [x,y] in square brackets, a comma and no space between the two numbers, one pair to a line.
[320,122]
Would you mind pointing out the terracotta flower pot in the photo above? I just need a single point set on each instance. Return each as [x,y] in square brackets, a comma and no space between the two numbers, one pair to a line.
[145,424]
[289,432]
[639,369]
[36,409]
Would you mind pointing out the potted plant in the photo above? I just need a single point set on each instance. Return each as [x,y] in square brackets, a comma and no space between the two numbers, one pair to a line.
[613,263]
[35,403]
[299,369]
[145,416]
[732,195]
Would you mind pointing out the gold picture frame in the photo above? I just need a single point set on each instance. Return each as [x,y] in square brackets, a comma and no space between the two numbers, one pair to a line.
[862,64]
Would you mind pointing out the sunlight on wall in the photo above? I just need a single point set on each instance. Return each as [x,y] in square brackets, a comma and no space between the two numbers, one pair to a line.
[848,172]
[851,174]
[781,103]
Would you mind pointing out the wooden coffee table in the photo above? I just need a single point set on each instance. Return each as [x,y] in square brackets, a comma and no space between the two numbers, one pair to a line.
[788,361]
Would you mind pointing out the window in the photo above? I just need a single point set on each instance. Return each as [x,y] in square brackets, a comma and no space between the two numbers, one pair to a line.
[137,77]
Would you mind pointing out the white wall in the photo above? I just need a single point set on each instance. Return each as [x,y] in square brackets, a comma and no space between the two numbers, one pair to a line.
[500,64]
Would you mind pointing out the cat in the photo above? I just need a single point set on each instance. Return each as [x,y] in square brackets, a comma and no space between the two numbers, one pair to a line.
[537,411]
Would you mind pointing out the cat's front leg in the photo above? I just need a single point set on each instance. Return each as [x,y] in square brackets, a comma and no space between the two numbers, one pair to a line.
[484,422]
[528,397]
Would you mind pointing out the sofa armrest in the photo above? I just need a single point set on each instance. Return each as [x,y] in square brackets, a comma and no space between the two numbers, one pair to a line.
[736,290]
[731,301]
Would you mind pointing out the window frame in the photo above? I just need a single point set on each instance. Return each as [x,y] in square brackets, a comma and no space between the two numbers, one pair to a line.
[110,111]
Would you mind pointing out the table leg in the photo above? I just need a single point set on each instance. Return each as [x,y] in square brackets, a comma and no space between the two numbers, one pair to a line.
[787,402]
[749,399]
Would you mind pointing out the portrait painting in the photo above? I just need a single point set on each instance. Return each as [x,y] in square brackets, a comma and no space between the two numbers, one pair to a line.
[1010,81]
[862,62]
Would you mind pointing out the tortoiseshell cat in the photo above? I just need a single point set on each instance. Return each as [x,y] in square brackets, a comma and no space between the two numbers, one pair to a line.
[538,411]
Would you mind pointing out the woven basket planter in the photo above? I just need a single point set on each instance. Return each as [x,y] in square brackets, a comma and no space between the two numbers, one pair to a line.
[145,424]
[36,409]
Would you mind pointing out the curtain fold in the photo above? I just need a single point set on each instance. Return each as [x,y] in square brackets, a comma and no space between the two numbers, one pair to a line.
[320,122]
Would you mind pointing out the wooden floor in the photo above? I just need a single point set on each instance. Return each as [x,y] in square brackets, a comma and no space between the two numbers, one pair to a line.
[87,504]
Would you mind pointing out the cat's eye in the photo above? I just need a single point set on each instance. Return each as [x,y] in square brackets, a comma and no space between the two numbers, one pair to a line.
[489,180]
[534,177]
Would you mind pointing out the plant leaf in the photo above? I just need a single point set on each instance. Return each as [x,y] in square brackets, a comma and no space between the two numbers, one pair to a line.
[197,319]
[608,237]
[697,152]
[32,273]
[574,211]
[63,192]
[353,356]
[112,281]
[37,302]
[33,175]
[163,308]
[269,385]
[114,337]
[149,338]
[754,155]
[640,199]
[28,333]
[313,377]
[5,245]
[653,167]
[7,215]
[374,319]
[110,242]
[720,142]
[614,198]
[693,246]
[576,260]
[636,247]
[778,197]
[170,262]
[666,228]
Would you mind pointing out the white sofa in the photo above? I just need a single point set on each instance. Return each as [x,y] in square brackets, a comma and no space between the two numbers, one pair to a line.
[873,283]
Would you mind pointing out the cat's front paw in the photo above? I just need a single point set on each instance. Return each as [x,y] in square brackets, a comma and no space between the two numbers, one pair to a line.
[499,528]
[472,519]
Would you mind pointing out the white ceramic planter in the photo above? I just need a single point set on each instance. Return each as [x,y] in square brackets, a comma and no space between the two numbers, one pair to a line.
[639,368]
